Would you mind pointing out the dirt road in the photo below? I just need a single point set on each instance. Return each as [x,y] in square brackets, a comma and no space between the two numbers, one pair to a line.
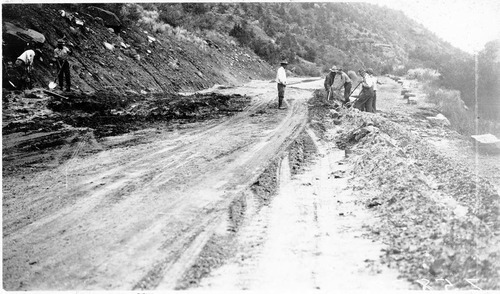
[310,237]
[132,217]
[256,201]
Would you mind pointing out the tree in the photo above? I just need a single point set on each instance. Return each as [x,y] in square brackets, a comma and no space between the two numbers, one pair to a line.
[242,33]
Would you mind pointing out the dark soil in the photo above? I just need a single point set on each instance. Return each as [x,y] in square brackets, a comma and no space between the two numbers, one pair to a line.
[34,129]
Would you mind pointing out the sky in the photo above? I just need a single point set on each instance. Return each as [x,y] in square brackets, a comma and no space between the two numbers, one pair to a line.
[466,24]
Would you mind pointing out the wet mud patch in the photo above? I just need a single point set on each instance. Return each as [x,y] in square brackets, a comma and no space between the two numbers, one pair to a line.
[111,114]
[35,129]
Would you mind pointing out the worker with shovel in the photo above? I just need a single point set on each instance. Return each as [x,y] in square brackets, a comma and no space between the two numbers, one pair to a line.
[334,81]
[365,99]
[346,83]
[61,54]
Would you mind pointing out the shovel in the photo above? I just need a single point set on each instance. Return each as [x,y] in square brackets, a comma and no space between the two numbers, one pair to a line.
[53,85]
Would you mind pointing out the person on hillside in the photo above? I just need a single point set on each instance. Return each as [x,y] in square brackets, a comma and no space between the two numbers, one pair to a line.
[365,100]
[281,81]
[375,82]
[61,54]
[24,65]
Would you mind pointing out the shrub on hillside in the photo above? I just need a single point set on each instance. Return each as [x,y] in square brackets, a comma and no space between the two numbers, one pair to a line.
[172,14]
[242,33]
[451,105]
[423,74]
[303,69]
[151,20]
[266,50]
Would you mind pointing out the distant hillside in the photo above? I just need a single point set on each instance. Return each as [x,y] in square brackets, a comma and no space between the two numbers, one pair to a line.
[186,46]
[347,34]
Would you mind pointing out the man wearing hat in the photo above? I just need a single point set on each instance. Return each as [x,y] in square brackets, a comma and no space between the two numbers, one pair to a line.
[281,80]
[334,81]
[61,54]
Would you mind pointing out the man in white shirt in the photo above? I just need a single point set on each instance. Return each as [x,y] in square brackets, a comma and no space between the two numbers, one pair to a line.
[24,65]
[365,100]
[26,58]
[281,80]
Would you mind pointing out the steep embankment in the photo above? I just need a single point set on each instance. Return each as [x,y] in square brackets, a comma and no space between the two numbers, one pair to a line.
[135,58]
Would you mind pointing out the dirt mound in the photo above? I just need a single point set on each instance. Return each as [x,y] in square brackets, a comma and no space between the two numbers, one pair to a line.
[436,215]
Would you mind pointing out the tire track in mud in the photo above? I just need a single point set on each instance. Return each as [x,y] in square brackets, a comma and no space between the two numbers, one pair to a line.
[154,280]
[139,220]
[305,239]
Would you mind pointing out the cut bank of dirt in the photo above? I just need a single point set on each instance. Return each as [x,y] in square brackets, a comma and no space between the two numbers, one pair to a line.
[141,61]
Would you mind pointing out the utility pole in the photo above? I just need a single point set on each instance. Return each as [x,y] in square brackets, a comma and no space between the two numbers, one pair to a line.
[476,106]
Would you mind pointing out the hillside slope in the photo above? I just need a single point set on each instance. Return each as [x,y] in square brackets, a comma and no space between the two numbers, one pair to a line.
[348,34]
[142,60]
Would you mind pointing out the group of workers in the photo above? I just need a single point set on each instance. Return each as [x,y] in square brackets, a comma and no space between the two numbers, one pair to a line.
[24,65]
[335,81]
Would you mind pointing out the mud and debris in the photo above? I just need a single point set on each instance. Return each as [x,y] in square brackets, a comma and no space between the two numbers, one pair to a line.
[36,126]
[436,214]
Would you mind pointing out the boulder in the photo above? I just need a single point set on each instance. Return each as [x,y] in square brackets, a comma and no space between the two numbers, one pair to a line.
[439,120]
[109,18]
[27,35]
[487,143]
[109,46]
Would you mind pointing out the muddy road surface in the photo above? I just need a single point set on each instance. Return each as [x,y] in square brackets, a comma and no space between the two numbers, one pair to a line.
[312,197]
[136,217]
